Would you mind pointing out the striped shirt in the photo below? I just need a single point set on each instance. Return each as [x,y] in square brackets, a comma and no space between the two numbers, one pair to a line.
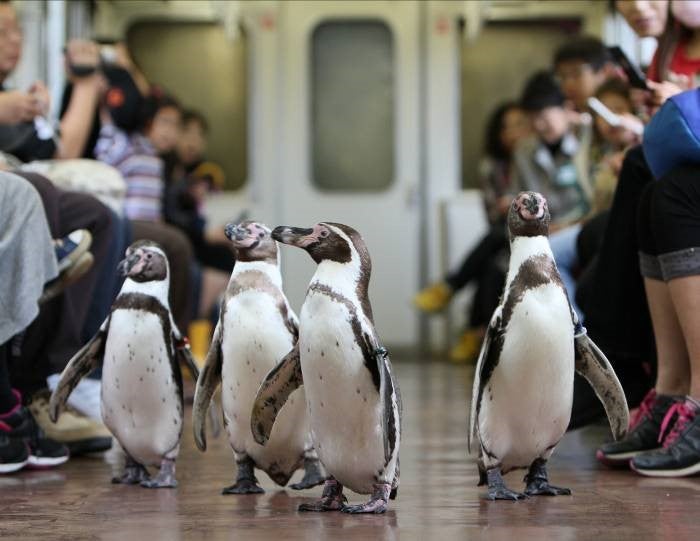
[136,159]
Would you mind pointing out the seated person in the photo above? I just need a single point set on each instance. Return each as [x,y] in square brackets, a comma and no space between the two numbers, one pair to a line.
[606,161]
[25,243]
[507,125]
[137,156]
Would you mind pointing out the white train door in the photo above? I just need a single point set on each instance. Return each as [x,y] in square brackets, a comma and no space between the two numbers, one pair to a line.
[351,145]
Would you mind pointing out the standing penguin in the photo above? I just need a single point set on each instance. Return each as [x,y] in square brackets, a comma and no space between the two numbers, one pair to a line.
[256,329]
[138,346]
[353,400]
[524,379]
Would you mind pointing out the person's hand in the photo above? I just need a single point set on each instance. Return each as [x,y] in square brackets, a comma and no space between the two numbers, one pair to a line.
[660,92]
[42,97]
[16,107]
[83,53]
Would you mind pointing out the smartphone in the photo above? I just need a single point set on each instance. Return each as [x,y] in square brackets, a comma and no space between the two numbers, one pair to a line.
[635,76]
[600,108]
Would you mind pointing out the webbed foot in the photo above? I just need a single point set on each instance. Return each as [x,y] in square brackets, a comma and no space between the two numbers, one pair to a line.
[332,499]
[377,504]
[537,483]
[134,474]
[498,489]
[244,486]
[313,475]
[165,477]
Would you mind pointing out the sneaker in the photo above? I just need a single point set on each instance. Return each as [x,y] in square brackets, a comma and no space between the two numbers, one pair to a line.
[86,396]
[14,454]
[680,455]
[467,348]
[43,452]
[71,247]
[69,276]
[433,298]
[81,434]
[644,431]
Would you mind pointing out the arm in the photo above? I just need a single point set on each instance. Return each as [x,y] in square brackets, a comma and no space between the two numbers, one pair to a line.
[76,122]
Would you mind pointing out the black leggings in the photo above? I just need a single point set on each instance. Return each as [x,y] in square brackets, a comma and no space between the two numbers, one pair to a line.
[617,316]
[668,225]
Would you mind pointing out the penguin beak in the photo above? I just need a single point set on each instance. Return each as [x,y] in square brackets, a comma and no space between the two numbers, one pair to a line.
[294,236]
[127,264]
[235,232]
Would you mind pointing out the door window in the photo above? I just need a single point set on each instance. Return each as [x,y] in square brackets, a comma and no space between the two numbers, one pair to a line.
[352,112]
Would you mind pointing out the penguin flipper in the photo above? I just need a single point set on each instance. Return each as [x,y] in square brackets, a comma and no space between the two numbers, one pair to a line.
[207,383]
[592,364]
[391,401]
[83,362]
[282,380]
[482,373]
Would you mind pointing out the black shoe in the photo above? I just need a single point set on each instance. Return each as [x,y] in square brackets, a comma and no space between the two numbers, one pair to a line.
[680,455]
[644,432]
[14,454]
[43,452]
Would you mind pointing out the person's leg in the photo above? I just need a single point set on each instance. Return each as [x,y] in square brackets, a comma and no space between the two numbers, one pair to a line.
[7,398]
[179,251]
[68,211]
[675,221]
[493,242]
[617,316]
[109,279]
[563,244]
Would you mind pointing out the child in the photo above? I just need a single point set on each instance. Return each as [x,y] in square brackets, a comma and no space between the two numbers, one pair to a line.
[580,67]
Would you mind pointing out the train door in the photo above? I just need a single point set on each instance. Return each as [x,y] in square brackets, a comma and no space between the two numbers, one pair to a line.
[351,144]
[351,141]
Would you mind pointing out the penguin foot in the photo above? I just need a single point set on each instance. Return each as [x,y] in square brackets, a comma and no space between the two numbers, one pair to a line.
[498,489]
[504,493]
[377,505]
[165,477]
[332,499]
[313,476]
[541,487]
[133,475]
[537,481]
[160,482]
[244,486]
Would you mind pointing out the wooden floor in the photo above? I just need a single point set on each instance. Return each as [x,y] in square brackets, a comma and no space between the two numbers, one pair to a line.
[438,499]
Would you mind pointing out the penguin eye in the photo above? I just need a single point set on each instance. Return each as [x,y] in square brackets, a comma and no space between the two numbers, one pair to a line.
[324,233]
[261,234]
[149,256]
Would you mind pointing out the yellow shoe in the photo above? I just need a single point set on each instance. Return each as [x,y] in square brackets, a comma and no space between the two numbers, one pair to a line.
[200,337]
[433,298]
[467,348]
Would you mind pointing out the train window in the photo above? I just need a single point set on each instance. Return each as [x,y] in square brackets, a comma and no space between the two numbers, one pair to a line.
[352,121]
[205,71]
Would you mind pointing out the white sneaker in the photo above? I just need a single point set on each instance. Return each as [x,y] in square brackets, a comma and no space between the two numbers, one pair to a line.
[85,397]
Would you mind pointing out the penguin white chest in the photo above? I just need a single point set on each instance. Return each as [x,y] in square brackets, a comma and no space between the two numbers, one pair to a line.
[343,400]
[255,339]
[526,404]
[141,403]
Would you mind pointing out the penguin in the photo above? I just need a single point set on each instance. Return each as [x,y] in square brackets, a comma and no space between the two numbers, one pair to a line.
[352,397]
[256,329]
[523,383]
[139,348]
